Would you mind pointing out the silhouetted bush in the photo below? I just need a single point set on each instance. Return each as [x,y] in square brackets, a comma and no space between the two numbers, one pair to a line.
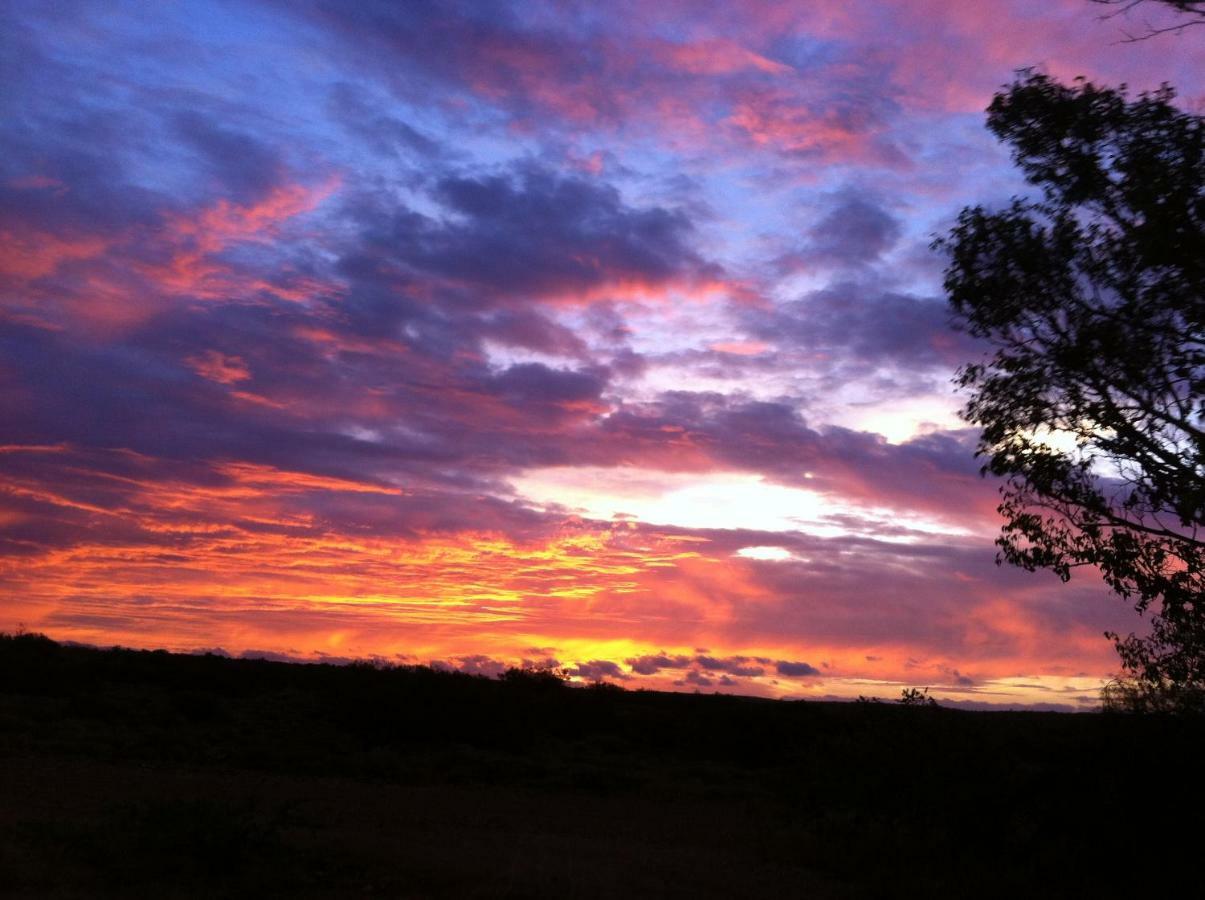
[916,697]
[538,677]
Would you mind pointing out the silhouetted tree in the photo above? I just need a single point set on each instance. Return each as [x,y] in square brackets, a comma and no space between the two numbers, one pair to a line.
[916,697]
[1091,407]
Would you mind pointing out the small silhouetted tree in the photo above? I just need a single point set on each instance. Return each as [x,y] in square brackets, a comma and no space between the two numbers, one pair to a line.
[1091,406]
[916,697]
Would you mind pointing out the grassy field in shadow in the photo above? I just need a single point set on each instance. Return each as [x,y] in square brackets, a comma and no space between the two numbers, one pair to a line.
[134,773]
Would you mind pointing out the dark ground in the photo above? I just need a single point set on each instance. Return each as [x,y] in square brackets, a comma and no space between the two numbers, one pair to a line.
[139,774]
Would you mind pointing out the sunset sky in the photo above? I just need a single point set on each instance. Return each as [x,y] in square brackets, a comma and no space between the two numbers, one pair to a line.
[475,333]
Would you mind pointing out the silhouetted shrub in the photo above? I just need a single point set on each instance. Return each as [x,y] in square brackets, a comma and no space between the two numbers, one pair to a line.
[539,678]
[915,697]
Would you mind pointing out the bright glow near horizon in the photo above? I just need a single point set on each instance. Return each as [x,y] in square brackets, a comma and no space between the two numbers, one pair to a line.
[734,501]
[769,554]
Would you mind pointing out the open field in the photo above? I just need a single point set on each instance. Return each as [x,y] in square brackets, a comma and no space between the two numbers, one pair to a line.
[148,774]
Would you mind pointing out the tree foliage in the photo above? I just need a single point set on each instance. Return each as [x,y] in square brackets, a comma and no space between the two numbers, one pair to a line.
[1091,406]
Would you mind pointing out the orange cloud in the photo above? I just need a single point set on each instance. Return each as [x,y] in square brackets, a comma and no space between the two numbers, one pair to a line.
[741,348]
[111,282]
[197,239]
[219,367]
[27,254]
[778,119]
[718,57]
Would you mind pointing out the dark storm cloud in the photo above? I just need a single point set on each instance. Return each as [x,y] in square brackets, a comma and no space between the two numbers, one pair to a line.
[860,326]
[543,392]
[854,231]
[795,669]
[598,669]
[651,664]
[535,233]
[740,666]
[700,665]
[247,167]
[861,321]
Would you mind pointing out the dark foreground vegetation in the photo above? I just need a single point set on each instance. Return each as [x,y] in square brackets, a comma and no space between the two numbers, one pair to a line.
[140,774]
